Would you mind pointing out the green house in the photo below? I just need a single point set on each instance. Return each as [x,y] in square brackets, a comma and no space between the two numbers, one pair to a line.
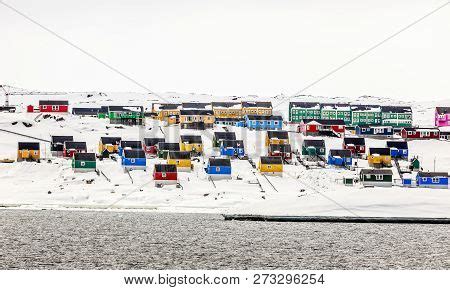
[126,115]
[397,117]
[303,110]
[313,149]
[84,162]
[366,115]
[376,177]
[339,111]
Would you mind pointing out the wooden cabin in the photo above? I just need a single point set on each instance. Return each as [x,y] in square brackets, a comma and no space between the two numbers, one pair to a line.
[28,151]
[181,159]
[126,115]
[57,145]
[399,149]
[256,108]
[270,165]
[196,119]
[277,137]
[165,147]
[232,148]
[379,157]
[236,122]
[218,168]
[432,179]
[320,127]
[109,145]
[84,162]
[340,157]
[420,133]
[72,147]
[257,122]
[357,145]
[133,159]
[371,177]
[165,174]
[151,145]
[225,110]
[281,150]
[168,113]
[127,144]
[53,106]
[374,131]
[220,136]
[313,149]
[191,143]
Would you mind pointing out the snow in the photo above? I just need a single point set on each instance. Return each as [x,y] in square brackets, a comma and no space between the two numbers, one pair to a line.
[317,191]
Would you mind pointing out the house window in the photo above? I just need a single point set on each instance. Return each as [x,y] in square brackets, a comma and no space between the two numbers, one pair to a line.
[218,169]
[44,107]
[424,179]
[132,160]
[379,177]
[275,122]
[55,108]
[435,180]
[269,166]
[410,133]
[82,163]
[164,175]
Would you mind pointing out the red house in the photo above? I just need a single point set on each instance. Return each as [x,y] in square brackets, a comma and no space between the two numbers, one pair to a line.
[165,174]
[420,133]
[282,150]
[150,145]
[322,127]
[53,106]
[72,147]
[356,145]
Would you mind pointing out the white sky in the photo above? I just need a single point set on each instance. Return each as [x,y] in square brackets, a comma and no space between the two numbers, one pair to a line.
[229,47]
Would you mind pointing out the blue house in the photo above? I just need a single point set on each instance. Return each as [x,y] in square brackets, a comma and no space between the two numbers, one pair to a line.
[257,122]
[219,168]
[432,179]
[399,149]
[340,157]
[229,122]
[375,131]
[129,145]
[134,159]
[232,148]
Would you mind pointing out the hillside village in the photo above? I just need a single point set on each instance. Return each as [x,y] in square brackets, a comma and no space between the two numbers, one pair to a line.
[238,154]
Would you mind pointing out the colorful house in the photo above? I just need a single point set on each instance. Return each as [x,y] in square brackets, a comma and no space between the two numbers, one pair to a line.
[379,157]
[270,165]
[196,119]
[181,159]
[57,145]
[126,115]
[444,135]
[165,174]
[238,122]
[169,113]
[232,148]
[151,145]
[196,106]
[356,145]
[442,116]
[313,149]
[86,111]
[322,127]
[109,145]
[72,147]
[191,143]
[126,144]
[53,106]
[133,159]
[396,116]
[374,131]
[256,122]
[28,151]
[399,149]
[277,137]
[220,136]
[84,162]
[371,177]
[218,168]
[366,115]
[420,133]
[227,110]
[280,150]
[340,157]
[304,110]
[256,108]
[337,111]
[165,147]
[432,179]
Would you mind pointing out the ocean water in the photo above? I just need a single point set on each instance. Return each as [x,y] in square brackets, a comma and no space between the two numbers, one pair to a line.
[43,239]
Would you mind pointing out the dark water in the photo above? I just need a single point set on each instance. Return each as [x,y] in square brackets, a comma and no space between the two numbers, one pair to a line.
[113,240]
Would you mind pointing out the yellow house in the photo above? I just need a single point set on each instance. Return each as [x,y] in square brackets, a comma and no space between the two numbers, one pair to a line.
[110,144]
[277,138]
[191,143]
[227,109]
[379,157]
[270,165]
[181,159]
[257,108]
[166,112]
[29,151]
[196,119]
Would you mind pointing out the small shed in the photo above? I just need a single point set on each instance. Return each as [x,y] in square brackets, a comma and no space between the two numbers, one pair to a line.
[220,136]
[84,162]
[134,159]
[191,143]
[151,145]
[313,148]
[126,144]
[270,165]
[218,168]
[28,151]
[277,137]
[57,145]
[165,174]
[399,149]
[232,148]
[181,159]
[357,145]
[282,150]
[379,157]
[432,179]
[109,145]
[72,147]
[165,147]
[370,177]
[340,157]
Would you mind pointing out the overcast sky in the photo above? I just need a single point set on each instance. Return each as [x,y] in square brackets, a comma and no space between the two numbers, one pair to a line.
[229,47]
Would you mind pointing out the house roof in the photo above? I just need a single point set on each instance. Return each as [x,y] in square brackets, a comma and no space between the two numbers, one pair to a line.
[271,160]
[250,104]
[165,106]
[84,156]
[314,143]
[191,139]
[396,109]
[195,105]
[111,140]
[134,153]
[443,110]
[280,148]
[197,112]
[411,129]
[232,143]
[355,141]
[85,111]
[340,152]
[75,145]
[383,171]
[306,105]
[226,105]
[335,106]
[179,155]
[225,135]
[219,162]
[366,108]
[168,146]
[397,144]
[61,139]
[28,145]
[264,118]
[165,168]
[432,174]
[125,108]
[338,122]
[228,119]
[380,151]
[278,134]
[153,141]
[131,144]
[53,103]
